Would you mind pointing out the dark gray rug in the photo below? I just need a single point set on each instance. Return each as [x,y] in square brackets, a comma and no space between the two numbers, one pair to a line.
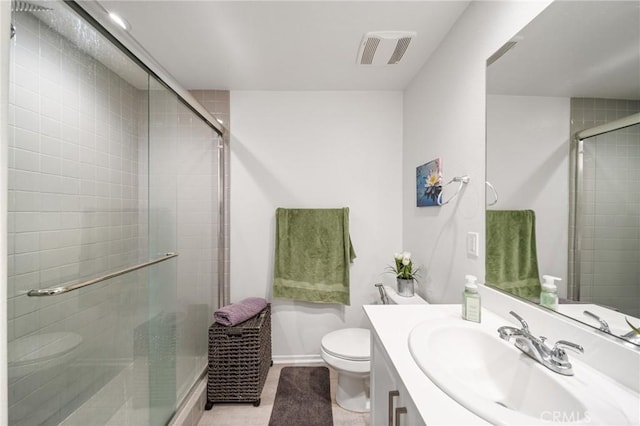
[303,398]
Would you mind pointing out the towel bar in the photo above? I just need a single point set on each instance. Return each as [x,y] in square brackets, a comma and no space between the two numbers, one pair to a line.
[495,194]
[462,180]
[65,289]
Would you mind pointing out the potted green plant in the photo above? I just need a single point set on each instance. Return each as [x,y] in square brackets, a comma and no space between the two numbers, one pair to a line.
[405,273]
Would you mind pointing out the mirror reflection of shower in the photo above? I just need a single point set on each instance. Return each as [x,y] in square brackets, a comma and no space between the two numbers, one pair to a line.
[606,210]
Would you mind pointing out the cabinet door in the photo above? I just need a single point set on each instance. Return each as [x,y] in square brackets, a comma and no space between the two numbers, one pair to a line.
[383,387]
[391,404]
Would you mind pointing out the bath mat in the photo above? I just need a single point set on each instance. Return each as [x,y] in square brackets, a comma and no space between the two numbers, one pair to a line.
[303,397]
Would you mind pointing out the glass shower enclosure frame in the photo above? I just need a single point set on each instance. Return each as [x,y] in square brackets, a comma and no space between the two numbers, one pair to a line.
[113,228]
[605,213]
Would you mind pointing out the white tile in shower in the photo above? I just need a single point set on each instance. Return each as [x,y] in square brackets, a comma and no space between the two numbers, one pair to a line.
[26,99]
[27,140]
[26,160]
[26,119]
[51,108]
[25,222]
[50,127]
[24,201]
[24,77]
[70,131]
[26,242]
[48,88]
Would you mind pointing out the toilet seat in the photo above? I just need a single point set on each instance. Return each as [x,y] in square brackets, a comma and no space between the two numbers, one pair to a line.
[351,344]
[346,366]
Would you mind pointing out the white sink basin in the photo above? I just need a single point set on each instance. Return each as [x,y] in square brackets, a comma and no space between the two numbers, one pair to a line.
[499,383]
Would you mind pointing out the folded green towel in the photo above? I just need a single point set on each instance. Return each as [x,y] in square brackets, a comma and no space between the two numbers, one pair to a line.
[312,255]
[512,260]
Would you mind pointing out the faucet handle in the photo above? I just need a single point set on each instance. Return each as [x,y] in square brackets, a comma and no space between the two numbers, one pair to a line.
[568,345]
[558,353]
[525,326]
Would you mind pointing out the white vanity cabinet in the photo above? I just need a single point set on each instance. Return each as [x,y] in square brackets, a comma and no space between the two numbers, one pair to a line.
[394,369]
[391,404]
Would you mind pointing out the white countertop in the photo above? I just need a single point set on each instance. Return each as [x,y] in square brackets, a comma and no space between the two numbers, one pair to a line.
[392,325]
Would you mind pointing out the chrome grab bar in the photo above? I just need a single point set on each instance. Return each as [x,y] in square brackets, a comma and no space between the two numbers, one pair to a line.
[65,289]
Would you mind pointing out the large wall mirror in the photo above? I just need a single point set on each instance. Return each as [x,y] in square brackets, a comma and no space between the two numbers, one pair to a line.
[559,205]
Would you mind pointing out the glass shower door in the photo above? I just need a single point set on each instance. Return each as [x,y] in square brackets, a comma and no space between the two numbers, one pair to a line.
[183,185]
[113,230]
[79,210]
[609,218]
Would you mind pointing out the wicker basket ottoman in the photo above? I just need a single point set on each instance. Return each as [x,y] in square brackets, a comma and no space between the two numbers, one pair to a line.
[239,359]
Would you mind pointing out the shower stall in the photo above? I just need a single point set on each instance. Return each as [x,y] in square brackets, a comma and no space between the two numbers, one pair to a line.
[114,226]
[606,204]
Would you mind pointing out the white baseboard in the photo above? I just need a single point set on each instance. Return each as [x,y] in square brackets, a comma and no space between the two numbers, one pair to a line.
[298,359]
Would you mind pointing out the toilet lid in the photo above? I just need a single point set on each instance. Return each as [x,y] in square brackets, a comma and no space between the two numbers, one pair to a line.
[349,343]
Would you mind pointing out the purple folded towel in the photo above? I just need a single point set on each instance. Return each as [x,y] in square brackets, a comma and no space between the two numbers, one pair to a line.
[241,311]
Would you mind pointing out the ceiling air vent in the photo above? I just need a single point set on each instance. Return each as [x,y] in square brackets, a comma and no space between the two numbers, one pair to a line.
[384,47]
[504,49]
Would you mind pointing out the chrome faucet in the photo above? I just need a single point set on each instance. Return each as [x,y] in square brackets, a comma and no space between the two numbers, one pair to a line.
[555,359]
[631,336]
[603,324]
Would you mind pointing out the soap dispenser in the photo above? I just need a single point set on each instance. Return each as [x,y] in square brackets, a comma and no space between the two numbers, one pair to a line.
[471,299]
[549,292]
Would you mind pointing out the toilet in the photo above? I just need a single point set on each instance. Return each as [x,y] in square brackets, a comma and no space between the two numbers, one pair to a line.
[348,351]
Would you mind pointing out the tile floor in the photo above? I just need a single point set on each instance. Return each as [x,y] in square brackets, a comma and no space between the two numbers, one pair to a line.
[248,415]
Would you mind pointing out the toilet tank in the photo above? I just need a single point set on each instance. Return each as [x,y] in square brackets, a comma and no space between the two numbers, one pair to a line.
[396,299]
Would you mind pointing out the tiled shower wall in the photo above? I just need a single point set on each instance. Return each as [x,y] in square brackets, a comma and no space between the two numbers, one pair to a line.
[610,209]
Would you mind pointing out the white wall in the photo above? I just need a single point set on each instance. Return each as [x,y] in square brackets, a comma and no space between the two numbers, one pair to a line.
[444,116]
[308,150]
[528,164]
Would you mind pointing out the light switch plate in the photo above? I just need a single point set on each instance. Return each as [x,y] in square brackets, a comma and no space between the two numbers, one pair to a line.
[473,248]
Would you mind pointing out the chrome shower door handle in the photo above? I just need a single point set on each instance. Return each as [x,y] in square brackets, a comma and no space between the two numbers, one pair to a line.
[392,395]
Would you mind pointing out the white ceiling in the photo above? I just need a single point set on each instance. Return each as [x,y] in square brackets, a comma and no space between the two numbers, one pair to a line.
[574,49]
[283,45]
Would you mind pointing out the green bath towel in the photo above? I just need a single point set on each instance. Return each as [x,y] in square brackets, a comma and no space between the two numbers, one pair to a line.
[313,254]
[512,260]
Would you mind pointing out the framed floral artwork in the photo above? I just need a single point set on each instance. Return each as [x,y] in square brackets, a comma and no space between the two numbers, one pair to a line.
[428,183]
